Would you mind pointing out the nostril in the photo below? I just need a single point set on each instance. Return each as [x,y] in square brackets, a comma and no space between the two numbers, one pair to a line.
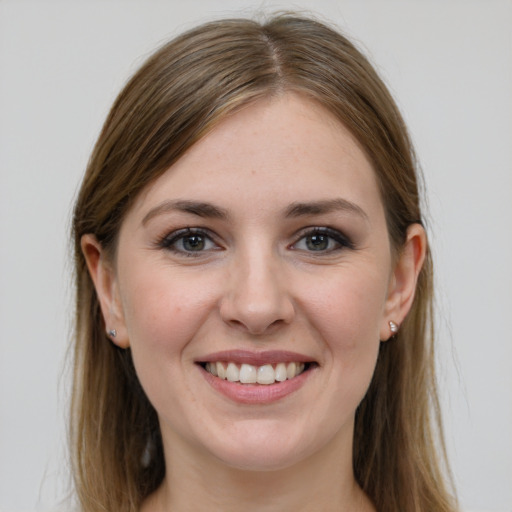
[277,324]
[237,324]
[257,318]
[257,328]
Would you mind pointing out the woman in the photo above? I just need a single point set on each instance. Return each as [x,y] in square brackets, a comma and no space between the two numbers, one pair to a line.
[254,286]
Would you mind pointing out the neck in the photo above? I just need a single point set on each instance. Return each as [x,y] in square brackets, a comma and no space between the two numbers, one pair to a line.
[323,482]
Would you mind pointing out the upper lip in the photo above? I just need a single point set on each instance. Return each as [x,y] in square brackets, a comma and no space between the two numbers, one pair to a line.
[256,358]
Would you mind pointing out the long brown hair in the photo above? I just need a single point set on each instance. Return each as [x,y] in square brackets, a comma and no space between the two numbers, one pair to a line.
[178,95]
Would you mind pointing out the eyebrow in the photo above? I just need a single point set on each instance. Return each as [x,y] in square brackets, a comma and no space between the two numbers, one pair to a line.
[325,206]
[208,210]
[199,208]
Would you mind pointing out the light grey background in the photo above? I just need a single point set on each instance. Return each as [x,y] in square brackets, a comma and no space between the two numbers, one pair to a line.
[449,64]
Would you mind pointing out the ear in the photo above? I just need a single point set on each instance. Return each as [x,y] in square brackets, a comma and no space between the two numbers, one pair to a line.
[403,280]
[105,281]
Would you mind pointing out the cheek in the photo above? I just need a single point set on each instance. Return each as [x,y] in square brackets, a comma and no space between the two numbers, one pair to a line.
[347,312]
[163,309]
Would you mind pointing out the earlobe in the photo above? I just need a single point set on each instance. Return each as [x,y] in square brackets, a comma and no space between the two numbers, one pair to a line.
[105,282]
[403,280]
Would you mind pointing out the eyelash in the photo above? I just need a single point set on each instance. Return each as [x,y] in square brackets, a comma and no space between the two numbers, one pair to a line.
[170,241]
[341,240]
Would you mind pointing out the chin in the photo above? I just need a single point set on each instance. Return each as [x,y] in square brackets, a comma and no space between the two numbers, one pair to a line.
[259,459]
[264,450]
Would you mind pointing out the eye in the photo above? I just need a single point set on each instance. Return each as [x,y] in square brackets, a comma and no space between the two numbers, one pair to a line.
[189,242]
[322,240]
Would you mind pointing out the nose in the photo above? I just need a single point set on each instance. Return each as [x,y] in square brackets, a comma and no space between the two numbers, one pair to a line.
[256,298]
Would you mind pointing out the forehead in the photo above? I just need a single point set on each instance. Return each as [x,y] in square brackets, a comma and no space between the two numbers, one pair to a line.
[271,152]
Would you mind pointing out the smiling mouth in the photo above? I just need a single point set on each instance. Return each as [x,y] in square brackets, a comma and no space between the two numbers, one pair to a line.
[250,374]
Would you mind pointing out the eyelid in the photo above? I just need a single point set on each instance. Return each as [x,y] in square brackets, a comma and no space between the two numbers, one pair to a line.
[339,237]
[170,239]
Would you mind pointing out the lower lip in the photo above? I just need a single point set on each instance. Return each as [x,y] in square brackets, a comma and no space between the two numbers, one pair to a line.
[256,393]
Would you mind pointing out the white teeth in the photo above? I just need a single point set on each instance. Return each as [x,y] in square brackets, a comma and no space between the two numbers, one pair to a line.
[221,371]
[233,373]
[291,370]
[266,374]
[281,373]
[250,374]
[212,368]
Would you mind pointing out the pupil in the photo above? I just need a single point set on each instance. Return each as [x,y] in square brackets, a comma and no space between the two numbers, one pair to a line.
[317,242]
[193,243]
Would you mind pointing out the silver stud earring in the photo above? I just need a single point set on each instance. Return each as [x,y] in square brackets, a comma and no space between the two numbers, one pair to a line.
[112,333]
[393,327]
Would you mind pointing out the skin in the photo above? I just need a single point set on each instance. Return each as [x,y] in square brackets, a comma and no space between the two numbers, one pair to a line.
[256,283]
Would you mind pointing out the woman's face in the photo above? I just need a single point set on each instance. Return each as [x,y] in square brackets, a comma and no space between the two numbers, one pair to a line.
[265,249]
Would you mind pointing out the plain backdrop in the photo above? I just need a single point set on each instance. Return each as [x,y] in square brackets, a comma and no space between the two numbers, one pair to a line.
[448,63]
